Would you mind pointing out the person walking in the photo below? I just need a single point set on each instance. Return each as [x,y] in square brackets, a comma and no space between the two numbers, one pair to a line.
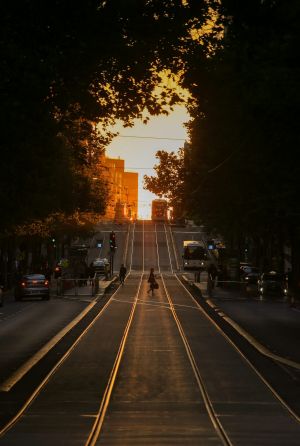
[122,274]
[212,274]
[152,281]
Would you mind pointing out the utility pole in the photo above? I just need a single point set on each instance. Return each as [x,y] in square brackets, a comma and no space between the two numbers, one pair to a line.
[112,244]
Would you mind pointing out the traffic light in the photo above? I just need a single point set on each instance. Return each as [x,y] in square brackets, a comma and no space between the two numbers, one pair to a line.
[112,240]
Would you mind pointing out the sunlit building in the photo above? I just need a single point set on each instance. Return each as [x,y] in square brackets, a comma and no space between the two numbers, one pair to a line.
[123,190]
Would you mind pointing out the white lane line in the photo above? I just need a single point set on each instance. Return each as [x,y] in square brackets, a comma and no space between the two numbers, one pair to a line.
[10,382]
[158,263]
[168,249]
[174,248]
[97,426]
[261,348]
[294,414]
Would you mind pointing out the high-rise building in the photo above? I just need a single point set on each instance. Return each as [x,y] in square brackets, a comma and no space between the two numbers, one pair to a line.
[123,190]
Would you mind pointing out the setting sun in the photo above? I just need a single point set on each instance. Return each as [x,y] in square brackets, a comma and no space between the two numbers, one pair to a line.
[138,145]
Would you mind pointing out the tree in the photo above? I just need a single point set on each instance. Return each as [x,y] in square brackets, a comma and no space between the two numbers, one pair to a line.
[169,180]
[243,178]
[63,65]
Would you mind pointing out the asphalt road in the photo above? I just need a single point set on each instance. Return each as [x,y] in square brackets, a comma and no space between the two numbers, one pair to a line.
[147,370]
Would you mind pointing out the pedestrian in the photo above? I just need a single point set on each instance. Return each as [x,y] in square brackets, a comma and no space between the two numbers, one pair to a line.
[212,273]
[91,273]
[152,281]
[122,274]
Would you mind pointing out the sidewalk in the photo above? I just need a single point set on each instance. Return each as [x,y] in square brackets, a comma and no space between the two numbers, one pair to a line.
[225,292]
[79,288]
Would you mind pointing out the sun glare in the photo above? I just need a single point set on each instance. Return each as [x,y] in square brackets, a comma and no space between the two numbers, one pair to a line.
[138,145]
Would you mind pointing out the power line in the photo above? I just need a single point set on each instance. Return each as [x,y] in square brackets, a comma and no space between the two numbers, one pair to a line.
[151,137]
[129,167]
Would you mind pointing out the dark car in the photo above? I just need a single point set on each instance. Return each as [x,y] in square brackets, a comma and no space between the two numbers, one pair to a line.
[250,275]
[32,285]
[245,267]
[272,283]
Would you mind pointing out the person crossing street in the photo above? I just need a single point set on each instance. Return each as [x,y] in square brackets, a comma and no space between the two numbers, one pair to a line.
[152,282]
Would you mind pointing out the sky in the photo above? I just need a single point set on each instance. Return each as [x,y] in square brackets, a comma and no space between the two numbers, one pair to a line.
[139,153]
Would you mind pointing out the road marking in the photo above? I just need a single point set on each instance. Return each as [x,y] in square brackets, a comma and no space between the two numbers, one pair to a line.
[294,414]
[10,382]
[97,427]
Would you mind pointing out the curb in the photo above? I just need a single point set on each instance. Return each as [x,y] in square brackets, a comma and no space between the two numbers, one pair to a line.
[249,338]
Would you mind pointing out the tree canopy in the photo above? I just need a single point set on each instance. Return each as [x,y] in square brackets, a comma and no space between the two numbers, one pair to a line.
[169,180]
[67,66]
[244,140]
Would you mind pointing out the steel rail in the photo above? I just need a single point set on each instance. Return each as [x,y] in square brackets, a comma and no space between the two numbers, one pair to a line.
[172,271]
[39,388]
[273,391]
[96,429]
[157,252]
[97,426]
[126,245]
[35,393]
[207,402]
[174,249]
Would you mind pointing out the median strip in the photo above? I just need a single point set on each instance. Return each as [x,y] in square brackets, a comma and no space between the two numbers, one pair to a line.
[10,382]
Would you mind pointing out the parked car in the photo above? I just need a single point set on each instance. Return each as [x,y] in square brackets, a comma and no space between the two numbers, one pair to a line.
[250,274]
[245,267]
[100,264]
[272,283]
[32,285]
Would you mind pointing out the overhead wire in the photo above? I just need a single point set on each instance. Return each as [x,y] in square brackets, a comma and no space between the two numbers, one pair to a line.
[151,137]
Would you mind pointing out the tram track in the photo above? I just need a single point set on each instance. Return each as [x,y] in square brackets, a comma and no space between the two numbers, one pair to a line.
[268,369]
[96,429]
[95,434]
[210,406]
[97,314]
[207,401]
[179,322]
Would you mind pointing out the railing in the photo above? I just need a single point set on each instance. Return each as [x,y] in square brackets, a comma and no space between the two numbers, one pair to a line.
[78,286]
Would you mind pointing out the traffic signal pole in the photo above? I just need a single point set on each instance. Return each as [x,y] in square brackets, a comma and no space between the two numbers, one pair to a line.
[112,253]
[112,244]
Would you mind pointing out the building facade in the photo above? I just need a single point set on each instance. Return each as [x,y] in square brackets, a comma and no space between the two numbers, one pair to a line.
[123,190]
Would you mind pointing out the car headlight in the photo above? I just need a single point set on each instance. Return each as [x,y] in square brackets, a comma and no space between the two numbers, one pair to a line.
[246,278]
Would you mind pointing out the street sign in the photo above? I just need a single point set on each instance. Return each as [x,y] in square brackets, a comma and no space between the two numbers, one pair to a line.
[99,243]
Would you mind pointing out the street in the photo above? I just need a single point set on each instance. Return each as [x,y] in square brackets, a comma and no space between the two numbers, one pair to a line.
[137,369]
